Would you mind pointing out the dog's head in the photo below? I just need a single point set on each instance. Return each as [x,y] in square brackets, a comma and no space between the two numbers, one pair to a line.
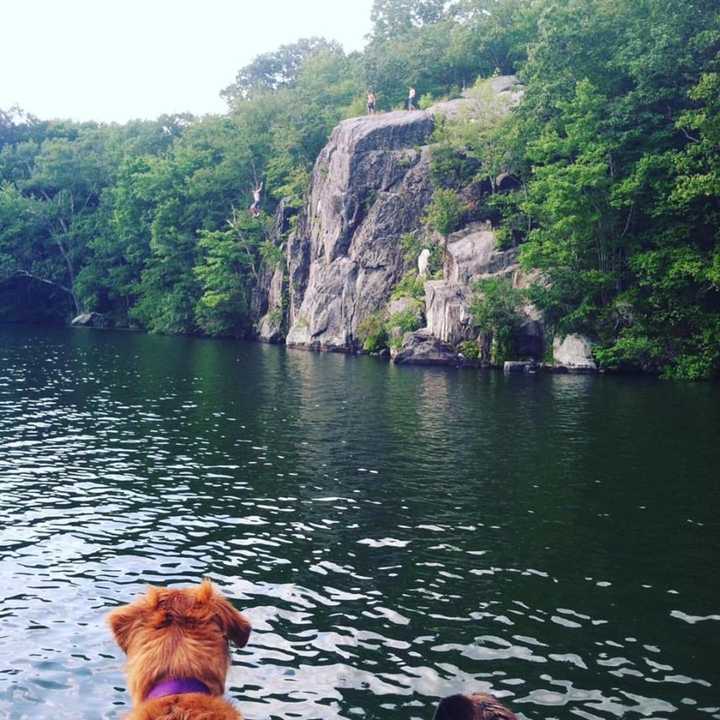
[475,706]
[178,633]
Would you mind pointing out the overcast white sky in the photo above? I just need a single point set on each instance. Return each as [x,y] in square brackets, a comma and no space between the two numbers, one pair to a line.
[113,60]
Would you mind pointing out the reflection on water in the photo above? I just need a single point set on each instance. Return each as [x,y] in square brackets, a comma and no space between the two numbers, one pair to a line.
[394,534]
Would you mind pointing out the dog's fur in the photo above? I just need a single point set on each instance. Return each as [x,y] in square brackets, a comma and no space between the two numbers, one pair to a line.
[474,706]
[170,634]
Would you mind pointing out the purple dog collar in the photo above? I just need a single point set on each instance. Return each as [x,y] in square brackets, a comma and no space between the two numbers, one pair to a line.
[178,686]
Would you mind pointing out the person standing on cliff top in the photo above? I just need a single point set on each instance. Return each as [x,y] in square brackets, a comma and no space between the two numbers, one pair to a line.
[411,99]
[255,207]
[371,102]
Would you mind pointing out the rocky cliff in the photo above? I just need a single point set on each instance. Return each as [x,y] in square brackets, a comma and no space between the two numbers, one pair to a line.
[370,186]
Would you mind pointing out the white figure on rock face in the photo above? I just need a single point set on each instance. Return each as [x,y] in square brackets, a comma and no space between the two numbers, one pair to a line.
[423,262]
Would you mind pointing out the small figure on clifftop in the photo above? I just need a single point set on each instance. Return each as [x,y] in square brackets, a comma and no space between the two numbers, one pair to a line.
[371,102]
[411,99]
[255,207]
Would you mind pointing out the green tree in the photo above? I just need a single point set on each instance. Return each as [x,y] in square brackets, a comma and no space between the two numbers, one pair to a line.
[605,130]
[228,270]
[277,69]
[399,18]
[444,213]
[496,312]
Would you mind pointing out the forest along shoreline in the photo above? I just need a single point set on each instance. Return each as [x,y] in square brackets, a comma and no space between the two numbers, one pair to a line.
[550,197]
[373,274]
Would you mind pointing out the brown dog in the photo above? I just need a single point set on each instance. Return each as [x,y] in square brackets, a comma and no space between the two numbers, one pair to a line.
[176,643]
[474,706]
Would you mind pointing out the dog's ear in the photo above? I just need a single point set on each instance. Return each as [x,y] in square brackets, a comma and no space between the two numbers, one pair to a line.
[121,621]
[232,622]
[236,625]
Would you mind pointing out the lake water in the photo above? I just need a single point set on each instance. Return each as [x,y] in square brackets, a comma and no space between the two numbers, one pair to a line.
[394,534]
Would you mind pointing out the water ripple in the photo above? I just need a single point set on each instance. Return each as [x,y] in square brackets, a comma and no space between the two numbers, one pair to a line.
[394,536]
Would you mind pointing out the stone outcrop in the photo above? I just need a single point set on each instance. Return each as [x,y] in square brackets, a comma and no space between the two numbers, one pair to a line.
[473,254]
[511,367]
[93,320]
[422,348]
[370,186]
[573,353]
[447,308]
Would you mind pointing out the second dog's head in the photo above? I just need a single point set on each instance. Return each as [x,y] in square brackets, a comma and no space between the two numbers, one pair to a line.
[172,633]
[474,706]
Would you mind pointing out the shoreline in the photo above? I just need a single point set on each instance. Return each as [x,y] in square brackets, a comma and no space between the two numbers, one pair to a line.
[529,367]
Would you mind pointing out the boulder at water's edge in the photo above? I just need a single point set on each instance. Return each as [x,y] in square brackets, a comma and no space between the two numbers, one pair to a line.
[573,352]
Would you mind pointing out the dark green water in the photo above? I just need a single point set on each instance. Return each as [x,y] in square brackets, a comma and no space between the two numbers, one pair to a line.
[394,534]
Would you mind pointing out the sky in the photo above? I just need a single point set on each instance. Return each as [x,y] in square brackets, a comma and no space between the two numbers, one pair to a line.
[116,60]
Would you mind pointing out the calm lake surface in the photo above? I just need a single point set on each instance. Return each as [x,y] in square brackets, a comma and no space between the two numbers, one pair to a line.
[394,534]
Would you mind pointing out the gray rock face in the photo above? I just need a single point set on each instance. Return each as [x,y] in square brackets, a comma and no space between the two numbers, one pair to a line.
[531,334]
[422,348]
[370,185]
[573,352]
[473,253]
[447,308]
[82,320]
